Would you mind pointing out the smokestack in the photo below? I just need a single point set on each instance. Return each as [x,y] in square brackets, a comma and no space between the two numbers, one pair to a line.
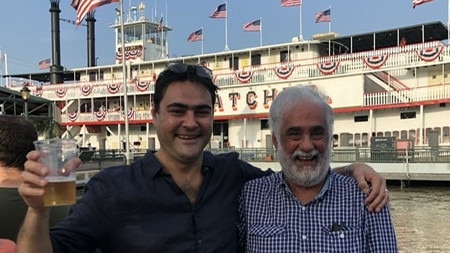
[55,69]
[91,59]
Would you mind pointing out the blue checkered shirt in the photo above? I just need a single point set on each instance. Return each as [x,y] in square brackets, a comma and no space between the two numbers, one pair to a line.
[336,220]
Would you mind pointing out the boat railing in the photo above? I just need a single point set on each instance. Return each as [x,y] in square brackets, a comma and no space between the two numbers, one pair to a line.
[103,159]
[297,70]
[439,154]
[420,94]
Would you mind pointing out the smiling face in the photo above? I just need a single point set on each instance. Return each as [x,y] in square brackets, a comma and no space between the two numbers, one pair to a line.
[184,121]
[303,146]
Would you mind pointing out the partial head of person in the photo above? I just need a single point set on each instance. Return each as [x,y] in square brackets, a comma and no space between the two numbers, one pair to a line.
[17,135]
[180,72]
[183,110]
[302,125]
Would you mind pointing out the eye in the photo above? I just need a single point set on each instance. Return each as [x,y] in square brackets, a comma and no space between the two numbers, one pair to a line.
[177,112]
[203,113]
[318,134]
[294,135]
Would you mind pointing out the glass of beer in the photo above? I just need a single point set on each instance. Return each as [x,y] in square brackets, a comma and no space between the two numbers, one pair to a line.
[57,155]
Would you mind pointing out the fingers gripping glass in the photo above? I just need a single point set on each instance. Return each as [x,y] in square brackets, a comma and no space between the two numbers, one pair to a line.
[182,68]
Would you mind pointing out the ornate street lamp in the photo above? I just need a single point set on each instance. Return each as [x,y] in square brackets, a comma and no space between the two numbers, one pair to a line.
[25,93]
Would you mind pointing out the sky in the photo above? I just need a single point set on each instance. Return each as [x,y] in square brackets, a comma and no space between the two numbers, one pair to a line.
[25,35]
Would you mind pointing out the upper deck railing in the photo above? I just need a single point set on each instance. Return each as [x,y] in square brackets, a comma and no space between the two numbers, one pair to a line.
[395,58]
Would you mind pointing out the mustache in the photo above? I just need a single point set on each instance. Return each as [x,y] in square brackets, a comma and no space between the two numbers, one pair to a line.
[298,154]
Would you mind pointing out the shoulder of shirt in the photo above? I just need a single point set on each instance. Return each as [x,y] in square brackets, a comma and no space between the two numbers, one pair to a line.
[120,170]
[227,155]
[346,183]
[266,181]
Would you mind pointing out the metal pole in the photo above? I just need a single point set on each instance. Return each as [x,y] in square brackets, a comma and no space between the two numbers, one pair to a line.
[25,109]
[124,82]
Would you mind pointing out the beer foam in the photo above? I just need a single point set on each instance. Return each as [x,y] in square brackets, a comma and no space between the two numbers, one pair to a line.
[58,179]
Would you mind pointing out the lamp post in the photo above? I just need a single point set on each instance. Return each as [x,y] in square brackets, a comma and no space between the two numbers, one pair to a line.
[25,93]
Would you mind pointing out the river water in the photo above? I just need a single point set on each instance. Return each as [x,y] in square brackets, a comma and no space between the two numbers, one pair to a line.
[421,217]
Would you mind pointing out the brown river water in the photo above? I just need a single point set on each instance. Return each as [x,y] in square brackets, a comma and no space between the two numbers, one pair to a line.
[421,217]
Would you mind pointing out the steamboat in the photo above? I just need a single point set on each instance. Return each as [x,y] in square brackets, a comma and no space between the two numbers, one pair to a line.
[388,88]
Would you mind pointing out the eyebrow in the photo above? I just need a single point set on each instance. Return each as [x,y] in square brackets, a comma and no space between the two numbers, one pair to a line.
[180,105]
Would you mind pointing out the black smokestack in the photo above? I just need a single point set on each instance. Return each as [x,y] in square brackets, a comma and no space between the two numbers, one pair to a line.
[91,59]
[55,69]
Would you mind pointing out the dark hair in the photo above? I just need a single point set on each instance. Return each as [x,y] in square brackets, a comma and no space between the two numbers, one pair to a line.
[16,140]
[183,72]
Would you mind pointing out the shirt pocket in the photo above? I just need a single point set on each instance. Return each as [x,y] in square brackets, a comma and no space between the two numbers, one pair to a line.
[263,237]
[347,239]
[263,230]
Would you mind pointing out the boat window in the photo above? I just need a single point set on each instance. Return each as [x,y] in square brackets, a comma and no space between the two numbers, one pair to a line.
[387,134]
[234,63]
[365,140]
[363,118]
[92,76]
[335,140]
[284,56]
[256,59]
[396,134]
[217,129]
[357,141]
[412,134]
[345,139]
[404,134]
[446,134]
[265,124]
[408,115]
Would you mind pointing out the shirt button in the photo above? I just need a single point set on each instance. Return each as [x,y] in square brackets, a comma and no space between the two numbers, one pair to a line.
[342,235]
[303,208]
[304,237]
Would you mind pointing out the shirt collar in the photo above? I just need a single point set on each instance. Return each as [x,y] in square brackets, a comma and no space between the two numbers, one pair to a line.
[155,168]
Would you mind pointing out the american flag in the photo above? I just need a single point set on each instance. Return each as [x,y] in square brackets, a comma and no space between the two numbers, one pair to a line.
[196,36]
[323,16]
[83,7]
[254,26]
[289,3]
[419,2]
[44,64]
[160,25]
[220,12]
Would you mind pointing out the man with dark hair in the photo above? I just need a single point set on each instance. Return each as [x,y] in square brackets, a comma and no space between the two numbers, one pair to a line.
[16,140]
[177,199]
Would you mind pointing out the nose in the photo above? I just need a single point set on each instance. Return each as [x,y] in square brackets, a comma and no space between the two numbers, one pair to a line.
[190,120]
[306,144]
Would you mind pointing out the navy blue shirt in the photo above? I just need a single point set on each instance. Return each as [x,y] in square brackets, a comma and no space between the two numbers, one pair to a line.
[139,208]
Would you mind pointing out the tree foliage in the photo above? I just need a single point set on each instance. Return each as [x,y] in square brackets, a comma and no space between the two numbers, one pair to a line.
[49,129]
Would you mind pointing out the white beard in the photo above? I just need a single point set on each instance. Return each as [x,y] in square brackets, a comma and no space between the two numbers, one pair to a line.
[306,176]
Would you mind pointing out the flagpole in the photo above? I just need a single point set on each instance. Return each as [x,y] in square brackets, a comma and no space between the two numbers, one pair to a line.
[260,31]
[226,27]
[166,46]
[301,23]
[329,23]
[124,82]
[203,36]
[162,37]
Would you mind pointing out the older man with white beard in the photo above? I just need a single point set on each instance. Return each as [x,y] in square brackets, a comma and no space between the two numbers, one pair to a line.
[307,207]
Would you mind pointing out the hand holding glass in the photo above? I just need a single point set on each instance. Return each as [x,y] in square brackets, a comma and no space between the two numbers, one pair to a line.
[56,155]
